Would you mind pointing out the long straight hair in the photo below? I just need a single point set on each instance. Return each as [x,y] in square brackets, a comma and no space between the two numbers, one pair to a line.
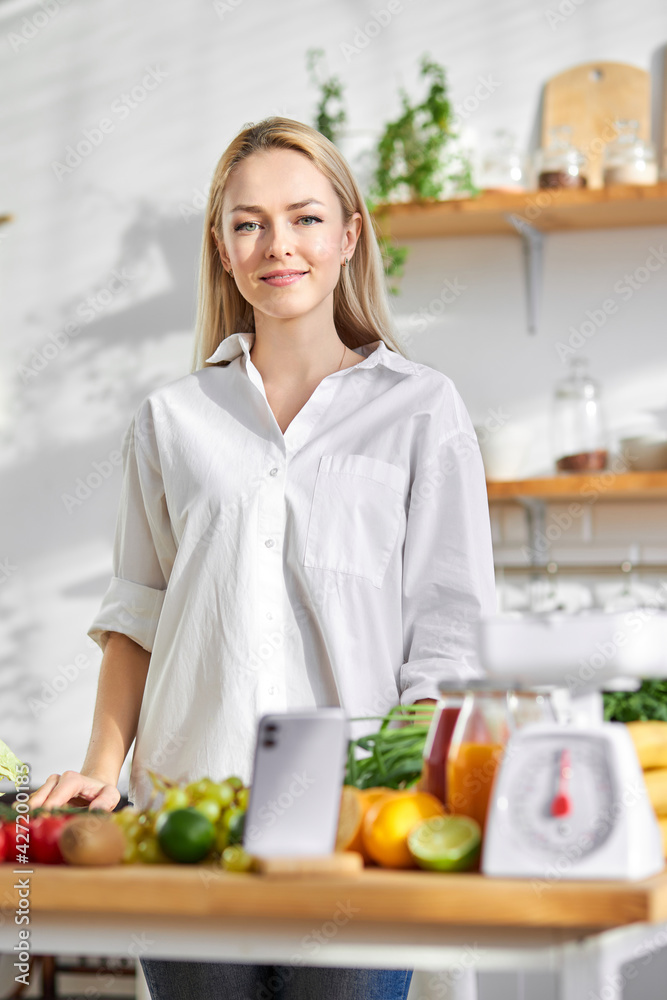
[360,302]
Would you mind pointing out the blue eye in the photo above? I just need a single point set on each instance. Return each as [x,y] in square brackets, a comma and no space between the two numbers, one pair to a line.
[314,217]
[241,224]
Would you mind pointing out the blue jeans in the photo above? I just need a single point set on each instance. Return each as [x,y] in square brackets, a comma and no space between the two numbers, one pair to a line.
[178,980]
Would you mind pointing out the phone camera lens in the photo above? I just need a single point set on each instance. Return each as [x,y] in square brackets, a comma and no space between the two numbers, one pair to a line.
[269,743]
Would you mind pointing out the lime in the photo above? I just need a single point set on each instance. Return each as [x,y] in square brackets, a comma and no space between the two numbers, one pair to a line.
[446,843]
[186,835]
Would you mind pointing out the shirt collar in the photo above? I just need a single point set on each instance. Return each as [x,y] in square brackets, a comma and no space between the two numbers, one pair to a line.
[374,353]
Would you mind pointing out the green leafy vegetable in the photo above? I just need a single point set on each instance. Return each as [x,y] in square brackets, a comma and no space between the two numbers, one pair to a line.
[395,753]
[648,702]
[9,763]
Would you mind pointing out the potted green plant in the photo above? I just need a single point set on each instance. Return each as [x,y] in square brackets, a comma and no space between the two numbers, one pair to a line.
[417,159]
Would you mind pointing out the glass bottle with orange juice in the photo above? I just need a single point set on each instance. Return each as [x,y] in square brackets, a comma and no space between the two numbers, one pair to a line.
[481,732]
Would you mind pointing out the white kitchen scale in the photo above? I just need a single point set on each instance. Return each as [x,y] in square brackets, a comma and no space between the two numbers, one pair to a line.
[569,799]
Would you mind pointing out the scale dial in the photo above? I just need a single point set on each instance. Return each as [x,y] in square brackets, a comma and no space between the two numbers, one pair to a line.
[560,794]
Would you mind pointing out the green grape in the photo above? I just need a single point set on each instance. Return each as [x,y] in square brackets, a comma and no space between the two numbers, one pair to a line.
[242,797]
[229,817]
[133,832]
[146,820]
[210,808]
[149,852]
[234,821]
[235,859]
[222,793]
[221,839]
[131,853]
[198,789]
[235,782]
[175,798]
[125,817]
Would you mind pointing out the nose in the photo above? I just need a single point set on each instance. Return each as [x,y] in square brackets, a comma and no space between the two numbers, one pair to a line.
[280,242]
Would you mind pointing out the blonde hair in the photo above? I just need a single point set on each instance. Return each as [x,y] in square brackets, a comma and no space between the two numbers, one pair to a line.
[360,302]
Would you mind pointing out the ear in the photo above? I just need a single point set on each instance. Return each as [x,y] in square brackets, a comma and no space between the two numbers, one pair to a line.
[351,234]
[221,250]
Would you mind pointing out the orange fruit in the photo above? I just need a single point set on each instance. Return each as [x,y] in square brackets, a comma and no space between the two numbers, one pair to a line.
[388,822]
[350,817]
[354,805]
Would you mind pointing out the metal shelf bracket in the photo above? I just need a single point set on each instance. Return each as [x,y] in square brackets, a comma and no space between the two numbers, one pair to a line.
[532,240]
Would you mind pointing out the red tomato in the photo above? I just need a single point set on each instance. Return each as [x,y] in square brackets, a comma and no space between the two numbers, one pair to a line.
[44,833]
[3,844]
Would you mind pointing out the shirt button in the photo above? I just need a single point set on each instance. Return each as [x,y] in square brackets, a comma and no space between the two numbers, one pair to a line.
[269,616]
[269,542]
[272,690]
[273,472]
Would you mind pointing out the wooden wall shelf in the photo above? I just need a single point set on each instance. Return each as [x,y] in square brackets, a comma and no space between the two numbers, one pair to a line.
[546,211]
[592,486]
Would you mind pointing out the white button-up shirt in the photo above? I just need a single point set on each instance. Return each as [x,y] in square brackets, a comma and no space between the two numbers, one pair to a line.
[343,562]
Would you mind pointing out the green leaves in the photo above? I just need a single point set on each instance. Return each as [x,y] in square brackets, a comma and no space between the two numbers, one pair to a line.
[395,755]
[9,763]
[649,702]
[411,149]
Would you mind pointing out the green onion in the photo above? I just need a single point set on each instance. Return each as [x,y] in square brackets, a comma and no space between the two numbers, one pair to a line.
[395,752]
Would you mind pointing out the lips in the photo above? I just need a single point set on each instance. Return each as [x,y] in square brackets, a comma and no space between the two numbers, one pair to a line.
[279,278]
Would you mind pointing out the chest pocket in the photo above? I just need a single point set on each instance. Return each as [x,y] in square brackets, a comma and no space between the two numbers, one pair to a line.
[356,515]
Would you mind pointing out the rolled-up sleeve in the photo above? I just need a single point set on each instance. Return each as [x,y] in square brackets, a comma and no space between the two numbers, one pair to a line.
[448,575]
[144,547]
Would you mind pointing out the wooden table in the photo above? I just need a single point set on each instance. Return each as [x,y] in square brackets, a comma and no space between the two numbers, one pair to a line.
[375,919]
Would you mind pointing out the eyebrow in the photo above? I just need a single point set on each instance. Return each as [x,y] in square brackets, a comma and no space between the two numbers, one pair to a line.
[289,208]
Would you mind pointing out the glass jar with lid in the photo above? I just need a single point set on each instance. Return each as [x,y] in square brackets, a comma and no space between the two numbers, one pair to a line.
[560,164]
[627,159]
[504,166]
[579,434]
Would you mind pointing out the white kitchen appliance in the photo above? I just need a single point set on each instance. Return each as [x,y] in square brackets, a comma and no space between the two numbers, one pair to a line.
[569,800]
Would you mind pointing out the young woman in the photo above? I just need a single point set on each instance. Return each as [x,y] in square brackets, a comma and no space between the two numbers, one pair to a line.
[303,519]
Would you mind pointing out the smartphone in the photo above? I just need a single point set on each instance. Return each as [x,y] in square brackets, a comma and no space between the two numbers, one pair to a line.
[298,775]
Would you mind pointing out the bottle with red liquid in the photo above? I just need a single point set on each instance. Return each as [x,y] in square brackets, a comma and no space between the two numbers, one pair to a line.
[436,748]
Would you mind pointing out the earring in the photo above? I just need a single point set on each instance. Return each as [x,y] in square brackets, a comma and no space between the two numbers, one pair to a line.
[345,262]
[231,273]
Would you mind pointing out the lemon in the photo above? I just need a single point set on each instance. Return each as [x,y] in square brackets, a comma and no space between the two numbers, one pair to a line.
[186,834]
[446,843]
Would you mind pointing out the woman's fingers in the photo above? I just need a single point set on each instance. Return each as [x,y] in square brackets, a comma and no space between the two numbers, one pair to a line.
[37,798]
[68,788]
[107,798]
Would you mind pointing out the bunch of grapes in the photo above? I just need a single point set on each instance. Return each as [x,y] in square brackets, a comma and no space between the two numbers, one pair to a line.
[223,803]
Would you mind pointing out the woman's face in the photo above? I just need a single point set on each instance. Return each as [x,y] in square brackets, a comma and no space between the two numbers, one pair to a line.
[283,233]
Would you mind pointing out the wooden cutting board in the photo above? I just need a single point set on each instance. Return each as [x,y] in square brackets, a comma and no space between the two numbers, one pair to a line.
[590,98]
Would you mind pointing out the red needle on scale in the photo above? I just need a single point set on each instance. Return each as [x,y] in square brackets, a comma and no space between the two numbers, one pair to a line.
[562,804]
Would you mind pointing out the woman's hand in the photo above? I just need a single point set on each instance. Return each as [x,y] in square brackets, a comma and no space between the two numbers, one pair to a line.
[75,789]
